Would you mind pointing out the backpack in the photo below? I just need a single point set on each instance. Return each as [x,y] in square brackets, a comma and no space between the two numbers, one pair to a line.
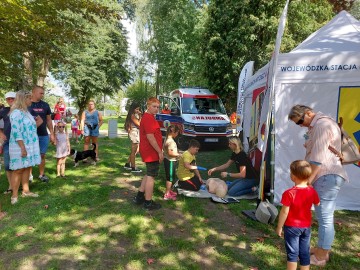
[349,151]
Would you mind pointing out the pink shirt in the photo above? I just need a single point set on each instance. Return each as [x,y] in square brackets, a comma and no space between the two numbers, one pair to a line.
[324,131]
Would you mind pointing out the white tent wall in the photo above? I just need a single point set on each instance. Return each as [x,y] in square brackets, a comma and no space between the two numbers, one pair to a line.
[289,138]
[318,89]
[312,74]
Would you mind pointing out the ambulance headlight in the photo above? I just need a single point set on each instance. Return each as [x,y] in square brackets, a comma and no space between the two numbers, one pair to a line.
[229,127]
[189,127]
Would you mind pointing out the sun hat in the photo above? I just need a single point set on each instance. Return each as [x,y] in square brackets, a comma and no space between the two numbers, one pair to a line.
[10,95]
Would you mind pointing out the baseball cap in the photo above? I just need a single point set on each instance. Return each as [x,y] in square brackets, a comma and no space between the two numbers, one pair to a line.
[10,95]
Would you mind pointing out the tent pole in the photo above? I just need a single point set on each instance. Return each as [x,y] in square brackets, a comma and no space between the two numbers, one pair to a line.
[272,162]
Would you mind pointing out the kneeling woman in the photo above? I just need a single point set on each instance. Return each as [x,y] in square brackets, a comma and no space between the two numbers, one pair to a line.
[246,176]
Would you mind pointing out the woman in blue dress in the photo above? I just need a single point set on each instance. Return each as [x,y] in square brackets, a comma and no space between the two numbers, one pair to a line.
[91,121]
[23,145]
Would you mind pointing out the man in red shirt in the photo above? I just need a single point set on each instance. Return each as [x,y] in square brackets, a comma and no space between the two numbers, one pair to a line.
[166,109]
[151,153]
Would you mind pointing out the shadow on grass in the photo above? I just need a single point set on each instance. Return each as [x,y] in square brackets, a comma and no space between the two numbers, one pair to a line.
[91,223]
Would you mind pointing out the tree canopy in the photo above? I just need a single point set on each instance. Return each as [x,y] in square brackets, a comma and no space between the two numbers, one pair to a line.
[172,41]
[97,66]
[182,42]
[241,31]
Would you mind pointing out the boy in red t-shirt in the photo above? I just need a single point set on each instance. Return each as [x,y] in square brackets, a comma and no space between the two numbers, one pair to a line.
[295,216]
[150,149]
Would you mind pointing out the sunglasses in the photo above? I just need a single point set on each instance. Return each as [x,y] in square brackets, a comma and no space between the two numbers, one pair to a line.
[61,126]
[301,120]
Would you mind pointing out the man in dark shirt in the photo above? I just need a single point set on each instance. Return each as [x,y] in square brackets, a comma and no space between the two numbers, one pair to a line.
[41,108]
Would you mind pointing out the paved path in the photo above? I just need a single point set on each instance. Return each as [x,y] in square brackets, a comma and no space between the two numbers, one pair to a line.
[104,133]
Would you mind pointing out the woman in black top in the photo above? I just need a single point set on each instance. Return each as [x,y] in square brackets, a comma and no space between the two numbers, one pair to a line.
[246,178]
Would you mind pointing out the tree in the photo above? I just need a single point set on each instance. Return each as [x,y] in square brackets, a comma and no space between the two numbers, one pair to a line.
[173,32]
[140,91]
[355,10]
[97,67]
[241,31]
[32,33]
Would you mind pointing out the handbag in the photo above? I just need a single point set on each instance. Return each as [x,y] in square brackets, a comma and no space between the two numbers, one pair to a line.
[349,151]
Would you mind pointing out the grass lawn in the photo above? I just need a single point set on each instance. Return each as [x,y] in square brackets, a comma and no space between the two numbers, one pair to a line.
[88,221]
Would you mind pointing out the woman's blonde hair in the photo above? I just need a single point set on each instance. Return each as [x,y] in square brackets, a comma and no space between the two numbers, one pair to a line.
[20,101]
[236,140]
[91,100]
[298,111]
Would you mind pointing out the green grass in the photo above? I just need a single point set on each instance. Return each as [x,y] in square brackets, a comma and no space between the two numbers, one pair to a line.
[91,223]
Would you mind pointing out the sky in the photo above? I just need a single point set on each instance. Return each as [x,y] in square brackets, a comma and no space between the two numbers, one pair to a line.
[131,36]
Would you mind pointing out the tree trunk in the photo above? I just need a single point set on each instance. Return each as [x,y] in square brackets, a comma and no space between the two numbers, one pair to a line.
[157,82]
[28,65]
[43,72]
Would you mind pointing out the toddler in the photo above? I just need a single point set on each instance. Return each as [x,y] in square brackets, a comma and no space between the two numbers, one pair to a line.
[62,148]
[295,216]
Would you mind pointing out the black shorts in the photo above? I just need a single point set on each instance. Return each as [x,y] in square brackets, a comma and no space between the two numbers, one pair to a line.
[152,168]
[192,184]
[170,170]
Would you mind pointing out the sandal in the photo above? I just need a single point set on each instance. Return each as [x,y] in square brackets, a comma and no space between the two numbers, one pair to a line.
[9,190]
[313,250]
[315,261]
[14,200]
[30,194]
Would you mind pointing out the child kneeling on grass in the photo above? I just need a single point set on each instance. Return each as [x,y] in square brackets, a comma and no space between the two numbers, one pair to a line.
[295,216]
[188,173]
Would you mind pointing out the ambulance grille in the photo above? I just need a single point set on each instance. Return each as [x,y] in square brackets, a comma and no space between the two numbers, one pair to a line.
[210,129]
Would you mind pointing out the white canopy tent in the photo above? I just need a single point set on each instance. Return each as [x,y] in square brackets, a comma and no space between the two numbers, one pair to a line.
[323,72]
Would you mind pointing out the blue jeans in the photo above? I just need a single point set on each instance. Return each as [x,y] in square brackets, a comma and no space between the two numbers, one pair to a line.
[43,144]
[297,244]
[241,186]
[328,187]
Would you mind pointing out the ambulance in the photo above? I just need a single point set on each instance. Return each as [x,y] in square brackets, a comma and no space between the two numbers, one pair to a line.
[199,113]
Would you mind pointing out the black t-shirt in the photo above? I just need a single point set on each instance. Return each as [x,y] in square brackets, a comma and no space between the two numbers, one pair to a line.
[5,115]
[241,159]
[43,109]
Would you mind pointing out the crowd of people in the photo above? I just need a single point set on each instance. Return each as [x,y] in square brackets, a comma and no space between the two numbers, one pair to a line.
[317,179]
[28,130]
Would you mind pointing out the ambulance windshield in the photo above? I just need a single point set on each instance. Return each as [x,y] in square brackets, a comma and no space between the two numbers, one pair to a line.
[202,106]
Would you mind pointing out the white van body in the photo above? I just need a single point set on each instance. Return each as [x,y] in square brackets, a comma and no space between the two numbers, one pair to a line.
[199,113]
